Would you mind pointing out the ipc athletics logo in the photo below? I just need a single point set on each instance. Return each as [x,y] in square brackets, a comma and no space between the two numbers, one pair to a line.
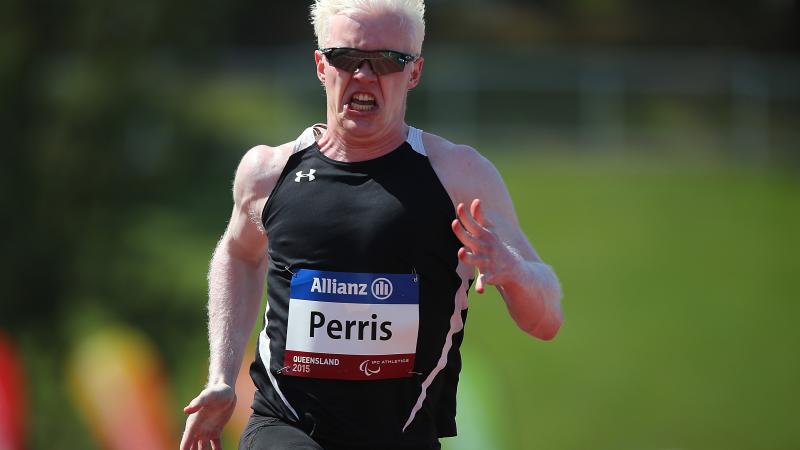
[364,366]
[381,288]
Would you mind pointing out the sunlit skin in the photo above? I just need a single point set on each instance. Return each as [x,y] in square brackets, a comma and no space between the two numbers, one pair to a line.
[355,135]
[485,223]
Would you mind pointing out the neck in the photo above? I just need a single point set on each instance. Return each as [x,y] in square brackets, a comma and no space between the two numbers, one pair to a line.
[340,145]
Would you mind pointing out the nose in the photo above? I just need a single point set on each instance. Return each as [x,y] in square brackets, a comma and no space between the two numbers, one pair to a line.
[364,71]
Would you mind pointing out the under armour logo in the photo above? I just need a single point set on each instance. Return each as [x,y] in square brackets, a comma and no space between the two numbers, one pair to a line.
[301,175]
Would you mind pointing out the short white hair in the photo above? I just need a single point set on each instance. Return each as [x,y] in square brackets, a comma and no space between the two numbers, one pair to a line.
[410,12]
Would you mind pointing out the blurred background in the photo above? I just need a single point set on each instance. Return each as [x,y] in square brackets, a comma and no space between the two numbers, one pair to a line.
[652,150]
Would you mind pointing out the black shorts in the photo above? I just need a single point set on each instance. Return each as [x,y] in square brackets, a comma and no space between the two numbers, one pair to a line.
[270,433]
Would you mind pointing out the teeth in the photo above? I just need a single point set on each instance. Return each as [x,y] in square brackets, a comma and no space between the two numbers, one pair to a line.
[362,101]
[364,97]
[359,107]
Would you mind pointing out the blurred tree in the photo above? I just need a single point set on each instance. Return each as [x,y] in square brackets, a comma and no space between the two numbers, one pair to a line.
[762,25]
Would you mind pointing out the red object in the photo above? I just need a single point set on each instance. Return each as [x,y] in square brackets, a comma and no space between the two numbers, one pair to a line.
[347,367]
[12,398]
[118,383]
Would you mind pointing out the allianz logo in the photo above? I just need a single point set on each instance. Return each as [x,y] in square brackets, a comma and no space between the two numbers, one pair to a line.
[380,288]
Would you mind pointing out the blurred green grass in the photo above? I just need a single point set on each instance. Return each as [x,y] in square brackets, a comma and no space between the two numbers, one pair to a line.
[680,304]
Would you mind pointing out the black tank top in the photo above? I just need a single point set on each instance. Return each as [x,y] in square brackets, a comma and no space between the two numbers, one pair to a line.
[365,308]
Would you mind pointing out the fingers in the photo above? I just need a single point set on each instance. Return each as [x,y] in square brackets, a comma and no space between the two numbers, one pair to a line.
[472,228]
[191,409]
[476,210]
[468,221]
[186,442]
[471,258]
[195,405]
[478,262]
[193,444]
[479,284]
[208,397]
[213,444]
[208,413]
[462,235]
[191,432]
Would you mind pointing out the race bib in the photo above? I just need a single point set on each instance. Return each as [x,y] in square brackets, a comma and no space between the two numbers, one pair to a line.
[351,326]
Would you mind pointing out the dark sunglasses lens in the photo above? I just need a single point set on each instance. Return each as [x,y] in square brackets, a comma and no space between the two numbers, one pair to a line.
[349,60]
[344,59]
[386,64]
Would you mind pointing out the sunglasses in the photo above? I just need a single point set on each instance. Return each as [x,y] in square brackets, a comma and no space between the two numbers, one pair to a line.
[381,61]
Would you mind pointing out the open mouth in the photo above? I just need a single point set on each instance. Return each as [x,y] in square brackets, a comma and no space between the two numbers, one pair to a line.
[362,102]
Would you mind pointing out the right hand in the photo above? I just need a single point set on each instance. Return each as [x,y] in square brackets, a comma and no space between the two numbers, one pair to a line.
[208,414]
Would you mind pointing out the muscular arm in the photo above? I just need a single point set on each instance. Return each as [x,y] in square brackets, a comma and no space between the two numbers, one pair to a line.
[504,257]
[235,280]
[494,242]
[235,288]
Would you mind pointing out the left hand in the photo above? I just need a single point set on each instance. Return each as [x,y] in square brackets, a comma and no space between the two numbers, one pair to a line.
[483,248]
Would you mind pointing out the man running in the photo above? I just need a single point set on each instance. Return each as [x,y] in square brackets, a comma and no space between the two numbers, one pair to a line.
[369,232]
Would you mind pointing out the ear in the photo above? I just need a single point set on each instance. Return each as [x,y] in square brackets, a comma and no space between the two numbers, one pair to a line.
[416,72]
[320,63]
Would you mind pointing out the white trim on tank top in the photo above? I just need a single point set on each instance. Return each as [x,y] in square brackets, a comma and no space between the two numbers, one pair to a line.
[415,140]
[310,134]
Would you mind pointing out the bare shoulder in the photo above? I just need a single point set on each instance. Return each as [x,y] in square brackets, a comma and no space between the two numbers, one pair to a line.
[463,171]
[259,170]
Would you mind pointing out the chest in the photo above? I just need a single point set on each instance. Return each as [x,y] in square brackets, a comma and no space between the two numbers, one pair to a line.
[383,213]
